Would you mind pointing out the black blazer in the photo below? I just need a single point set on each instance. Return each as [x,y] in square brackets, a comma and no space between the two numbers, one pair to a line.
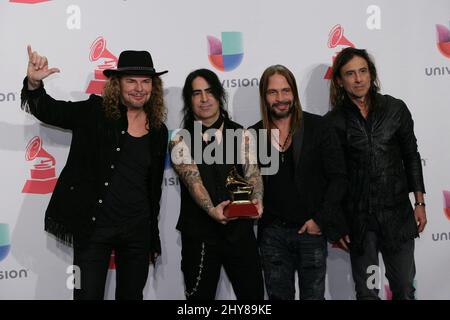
[320,174]
[95,146]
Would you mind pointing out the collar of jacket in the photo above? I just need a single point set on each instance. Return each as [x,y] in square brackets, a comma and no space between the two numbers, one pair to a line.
[377,102]
[123,115]
[297,140]
[123,121]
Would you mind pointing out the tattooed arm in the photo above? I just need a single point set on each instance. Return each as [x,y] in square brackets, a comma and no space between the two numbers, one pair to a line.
[251,169]
[189,175]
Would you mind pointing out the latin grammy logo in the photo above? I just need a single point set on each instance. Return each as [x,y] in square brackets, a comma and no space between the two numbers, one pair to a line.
[43,175]
[335,38]
[98,50]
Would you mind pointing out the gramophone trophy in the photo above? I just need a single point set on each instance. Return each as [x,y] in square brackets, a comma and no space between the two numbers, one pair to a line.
[98,50]
[240,191]
[43,175]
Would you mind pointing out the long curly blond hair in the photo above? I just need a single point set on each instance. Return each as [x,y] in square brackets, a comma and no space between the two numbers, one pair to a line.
[154,108]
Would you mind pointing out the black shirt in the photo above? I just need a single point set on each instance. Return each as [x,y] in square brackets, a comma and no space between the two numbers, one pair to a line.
[193,221]
[281,198]
[127,198]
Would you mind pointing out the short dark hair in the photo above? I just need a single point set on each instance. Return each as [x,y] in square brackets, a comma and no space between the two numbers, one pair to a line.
[216,89]
[337,93]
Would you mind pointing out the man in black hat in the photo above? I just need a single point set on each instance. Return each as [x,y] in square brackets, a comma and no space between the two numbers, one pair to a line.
[107,196]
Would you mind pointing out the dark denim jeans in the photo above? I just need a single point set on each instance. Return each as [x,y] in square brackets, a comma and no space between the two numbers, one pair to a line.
[201,263]
[132,258]
[284,252]
[400,269]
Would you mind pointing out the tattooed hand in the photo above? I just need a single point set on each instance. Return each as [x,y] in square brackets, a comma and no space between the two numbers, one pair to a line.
[251,170]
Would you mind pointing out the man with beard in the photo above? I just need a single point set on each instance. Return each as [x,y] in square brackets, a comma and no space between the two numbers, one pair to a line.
[302,200]
[107,196]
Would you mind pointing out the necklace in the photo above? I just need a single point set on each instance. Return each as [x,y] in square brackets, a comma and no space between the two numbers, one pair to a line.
[283,146]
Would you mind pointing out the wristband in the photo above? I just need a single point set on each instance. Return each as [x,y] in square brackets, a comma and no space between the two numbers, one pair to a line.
[422,204]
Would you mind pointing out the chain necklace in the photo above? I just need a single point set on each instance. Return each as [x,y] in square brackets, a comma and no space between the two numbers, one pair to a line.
[283,146]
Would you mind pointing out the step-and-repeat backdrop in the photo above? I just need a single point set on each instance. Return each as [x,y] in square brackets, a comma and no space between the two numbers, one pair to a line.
[410,41]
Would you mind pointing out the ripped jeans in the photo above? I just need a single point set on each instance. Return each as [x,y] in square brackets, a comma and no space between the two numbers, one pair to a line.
[283,252]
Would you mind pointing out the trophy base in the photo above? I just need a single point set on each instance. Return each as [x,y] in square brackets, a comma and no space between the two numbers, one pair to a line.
[240,210]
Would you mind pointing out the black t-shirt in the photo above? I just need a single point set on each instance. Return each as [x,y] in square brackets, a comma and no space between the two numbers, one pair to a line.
[127,197]
[281,198]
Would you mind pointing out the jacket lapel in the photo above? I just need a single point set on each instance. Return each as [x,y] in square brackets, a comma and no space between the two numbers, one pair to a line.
[297,141]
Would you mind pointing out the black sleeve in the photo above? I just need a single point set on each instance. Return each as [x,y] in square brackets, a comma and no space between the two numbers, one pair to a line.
[156,187]
[63,114]
[410,155]
[330,217]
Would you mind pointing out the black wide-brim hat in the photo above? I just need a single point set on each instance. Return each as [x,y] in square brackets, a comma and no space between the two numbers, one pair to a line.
[135,63]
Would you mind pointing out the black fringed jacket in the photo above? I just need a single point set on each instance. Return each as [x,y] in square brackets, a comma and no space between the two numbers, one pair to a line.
[95,146]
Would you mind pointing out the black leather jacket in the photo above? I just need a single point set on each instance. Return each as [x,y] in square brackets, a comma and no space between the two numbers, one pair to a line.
[383,167]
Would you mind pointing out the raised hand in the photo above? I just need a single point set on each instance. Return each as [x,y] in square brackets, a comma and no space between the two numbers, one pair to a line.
[37,69]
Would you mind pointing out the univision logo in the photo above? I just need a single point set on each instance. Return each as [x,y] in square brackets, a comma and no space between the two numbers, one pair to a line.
[5,243]
[226,54]
[8,96]
[5,246]
[443,236]
[443,44]
[443,39]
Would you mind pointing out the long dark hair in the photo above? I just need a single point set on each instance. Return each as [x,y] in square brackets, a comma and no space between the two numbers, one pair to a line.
[216,88]
[337,93]
[264,106]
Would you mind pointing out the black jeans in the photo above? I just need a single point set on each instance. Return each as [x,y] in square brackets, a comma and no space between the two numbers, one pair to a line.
[132,258]
[201,263]
[284,252]
[400,269]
